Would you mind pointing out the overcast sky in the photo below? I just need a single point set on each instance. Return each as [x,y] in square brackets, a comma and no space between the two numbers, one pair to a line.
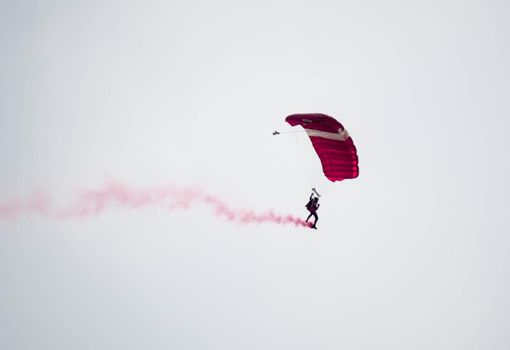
[413,254]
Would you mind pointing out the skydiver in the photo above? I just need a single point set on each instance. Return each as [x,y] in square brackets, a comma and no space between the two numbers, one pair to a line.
[312,206]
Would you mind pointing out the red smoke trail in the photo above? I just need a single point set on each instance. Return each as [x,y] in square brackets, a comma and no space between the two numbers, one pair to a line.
[94,202]
[36,203]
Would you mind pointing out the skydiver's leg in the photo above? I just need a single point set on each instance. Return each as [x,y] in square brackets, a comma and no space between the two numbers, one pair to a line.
[316,219]
[309,216]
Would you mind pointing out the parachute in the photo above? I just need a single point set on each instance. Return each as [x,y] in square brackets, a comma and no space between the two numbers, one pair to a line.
[332,144]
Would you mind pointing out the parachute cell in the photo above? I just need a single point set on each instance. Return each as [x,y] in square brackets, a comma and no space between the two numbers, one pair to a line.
[332,143]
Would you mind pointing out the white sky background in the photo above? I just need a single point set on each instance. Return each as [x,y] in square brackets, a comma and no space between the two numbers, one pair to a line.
[411,255]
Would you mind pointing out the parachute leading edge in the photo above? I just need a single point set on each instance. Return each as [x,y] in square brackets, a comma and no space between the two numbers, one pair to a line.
[332,142]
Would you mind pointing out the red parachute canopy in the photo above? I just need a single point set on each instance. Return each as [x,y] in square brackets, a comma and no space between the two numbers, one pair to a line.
[332,143]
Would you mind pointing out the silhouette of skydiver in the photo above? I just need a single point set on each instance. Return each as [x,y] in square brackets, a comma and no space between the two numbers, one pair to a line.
[312,206]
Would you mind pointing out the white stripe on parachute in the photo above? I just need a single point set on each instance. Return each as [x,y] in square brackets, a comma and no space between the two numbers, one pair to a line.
[342,135]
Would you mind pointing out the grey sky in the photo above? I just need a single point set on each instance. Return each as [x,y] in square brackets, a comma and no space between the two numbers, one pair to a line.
[411,255]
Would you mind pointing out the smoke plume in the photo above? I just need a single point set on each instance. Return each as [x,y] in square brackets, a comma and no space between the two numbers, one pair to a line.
[111,195]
